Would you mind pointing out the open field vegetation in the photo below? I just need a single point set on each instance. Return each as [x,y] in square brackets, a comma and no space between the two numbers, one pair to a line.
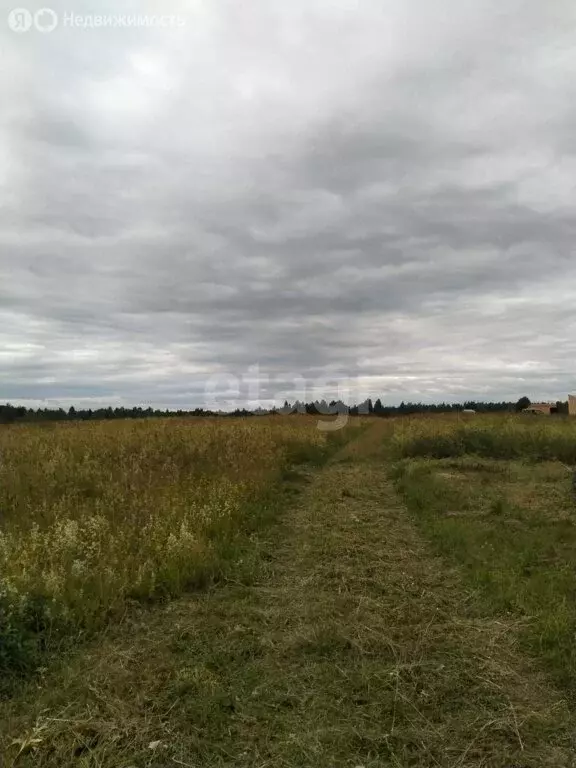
[339,637]
[529,438]
[93,516]
[496,496]
[409,602]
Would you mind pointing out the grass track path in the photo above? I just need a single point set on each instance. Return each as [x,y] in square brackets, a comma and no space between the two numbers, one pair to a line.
[350,644]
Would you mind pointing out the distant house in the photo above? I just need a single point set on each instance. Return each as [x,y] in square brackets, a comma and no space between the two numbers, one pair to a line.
[546,409]
[541,409]
[468,410]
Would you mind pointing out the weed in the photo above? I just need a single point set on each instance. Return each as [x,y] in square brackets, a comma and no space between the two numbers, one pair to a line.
[97,515]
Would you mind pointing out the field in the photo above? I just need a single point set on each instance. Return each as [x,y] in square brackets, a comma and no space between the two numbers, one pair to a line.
[257,593]
[95,516]
[495,495]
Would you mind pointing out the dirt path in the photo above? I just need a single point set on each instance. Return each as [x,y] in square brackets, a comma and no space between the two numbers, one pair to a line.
[350,645]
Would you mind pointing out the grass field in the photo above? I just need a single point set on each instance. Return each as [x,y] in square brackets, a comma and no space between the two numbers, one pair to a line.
[93,516]
[495,496]
[403,596]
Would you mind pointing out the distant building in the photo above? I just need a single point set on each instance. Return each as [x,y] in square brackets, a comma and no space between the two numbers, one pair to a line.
[541,409]
[468,410]
[546,409]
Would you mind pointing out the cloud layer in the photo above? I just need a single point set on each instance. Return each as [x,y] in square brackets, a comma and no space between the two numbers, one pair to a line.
[374,194]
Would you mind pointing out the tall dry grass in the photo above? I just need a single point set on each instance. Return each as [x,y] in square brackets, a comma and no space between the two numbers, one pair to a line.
[94,515]
[536,438]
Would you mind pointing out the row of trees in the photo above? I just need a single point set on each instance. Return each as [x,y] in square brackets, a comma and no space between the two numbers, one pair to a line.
[11,413]
[376,407]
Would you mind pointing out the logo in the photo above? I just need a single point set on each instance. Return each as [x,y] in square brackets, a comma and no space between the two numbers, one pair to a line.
[45,20]
[21,20]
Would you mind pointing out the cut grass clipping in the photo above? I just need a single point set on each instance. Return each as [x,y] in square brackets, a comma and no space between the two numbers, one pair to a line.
[337,640]
[495,496]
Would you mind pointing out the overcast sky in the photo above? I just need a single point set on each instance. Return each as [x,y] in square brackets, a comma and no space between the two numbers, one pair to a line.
[375,193]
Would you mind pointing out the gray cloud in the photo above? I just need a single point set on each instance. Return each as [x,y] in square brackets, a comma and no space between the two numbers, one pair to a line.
[376,193]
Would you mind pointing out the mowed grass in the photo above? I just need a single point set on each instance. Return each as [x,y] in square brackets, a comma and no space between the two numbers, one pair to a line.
[337,639]
[96,516]
[494,495]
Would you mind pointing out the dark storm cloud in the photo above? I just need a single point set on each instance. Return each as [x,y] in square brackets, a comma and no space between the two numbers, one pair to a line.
[379,194]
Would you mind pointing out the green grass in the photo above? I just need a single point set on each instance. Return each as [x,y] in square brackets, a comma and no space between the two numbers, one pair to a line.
[336,638]
[499,505]
[498,437]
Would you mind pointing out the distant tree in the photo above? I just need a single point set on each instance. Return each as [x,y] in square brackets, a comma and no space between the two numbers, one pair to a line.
[7,414]
[10,413]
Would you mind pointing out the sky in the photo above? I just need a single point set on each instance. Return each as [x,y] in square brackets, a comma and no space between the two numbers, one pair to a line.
[246,202]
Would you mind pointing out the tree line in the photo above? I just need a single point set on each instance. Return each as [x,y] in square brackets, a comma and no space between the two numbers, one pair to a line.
[17,413]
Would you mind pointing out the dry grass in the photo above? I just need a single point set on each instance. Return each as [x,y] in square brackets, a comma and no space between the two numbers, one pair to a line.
[97,515]
[339,640]
[491,436]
